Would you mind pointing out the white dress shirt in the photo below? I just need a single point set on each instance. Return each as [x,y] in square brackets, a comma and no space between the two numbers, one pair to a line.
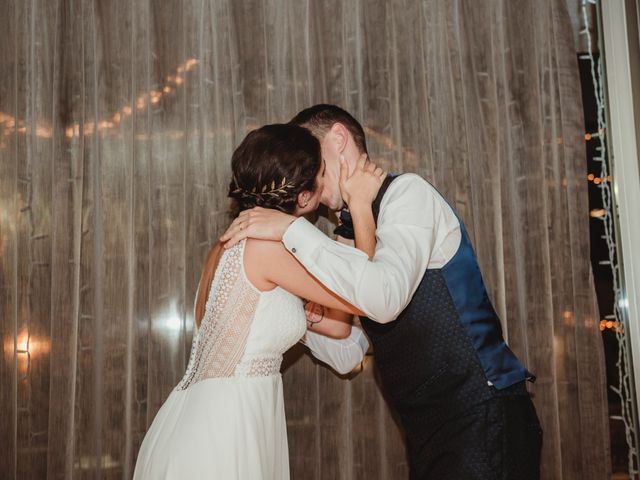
[416,230]
[343,355]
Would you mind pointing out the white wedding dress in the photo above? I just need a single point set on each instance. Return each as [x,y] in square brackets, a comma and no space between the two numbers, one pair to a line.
[225,420]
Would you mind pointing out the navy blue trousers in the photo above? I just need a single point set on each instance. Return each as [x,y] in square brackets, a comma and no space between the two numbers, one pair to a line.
[499,439]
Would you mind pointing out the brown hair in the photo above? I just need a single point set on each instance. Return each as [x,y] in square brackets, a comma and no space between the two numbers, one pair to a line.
[320,118]
[204,285]
[271,166]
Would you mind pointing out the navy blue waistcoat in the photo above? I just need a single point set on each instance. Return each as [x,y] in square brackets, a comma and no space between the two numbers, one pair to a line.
[437,357]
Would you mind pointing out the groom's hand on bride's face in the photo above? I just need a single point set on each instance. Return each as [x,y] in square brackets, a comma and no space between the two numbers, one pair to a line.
[261,223]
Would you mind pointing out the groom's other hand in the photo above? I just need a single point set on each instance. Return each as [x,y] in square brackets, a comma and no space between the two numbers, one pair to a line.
[258,222]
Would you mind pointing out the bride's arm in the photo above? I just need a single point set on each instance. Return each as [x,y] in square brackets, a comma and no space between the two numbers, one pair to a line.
[278,267]
[329,322]
[274,265]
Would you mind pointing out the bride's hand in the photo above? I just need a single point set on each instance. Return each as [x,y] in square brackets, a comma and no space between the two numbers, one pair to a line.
[262,223]
[362,186]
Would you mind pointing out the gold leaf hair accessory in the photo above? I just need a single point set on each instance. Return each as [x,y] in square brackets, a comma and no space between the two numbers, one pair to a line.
[264,191]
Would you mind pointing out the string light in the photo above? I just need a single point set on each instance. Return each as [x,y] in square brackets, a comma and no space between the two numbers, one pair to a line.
[7,122]
[614,322]
[610,324]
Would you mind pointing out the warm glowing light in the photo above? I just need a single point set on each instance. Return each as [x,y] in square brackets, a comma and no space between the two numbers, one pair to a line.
[587,136]
[44,132]
[596,181]
[590,177]
[611,325]
[567,315]
[598,212]
[22,344]
[192,62]
[154,96]
[26,347]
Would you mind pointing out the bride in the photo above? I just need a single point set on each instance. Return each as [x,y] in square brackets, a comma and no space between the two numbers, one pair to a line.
[226,419]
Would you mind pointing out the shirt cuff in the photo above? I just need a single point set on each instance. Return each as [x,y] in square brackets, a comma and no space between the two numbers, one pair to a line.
[302,239]
[358,335]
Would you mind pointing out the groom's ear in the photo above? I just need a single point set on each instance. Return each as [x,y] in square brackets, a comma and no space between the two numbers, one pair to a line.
[340,135]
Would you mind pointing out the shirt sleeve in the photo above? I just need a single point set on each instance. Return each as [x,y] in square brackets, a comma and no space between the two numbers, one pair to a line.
[384,286]
[343,355]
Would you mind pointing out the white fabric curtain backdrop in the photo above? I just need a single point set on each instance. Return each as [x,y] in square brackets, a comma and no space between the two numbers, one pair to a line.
[117,122]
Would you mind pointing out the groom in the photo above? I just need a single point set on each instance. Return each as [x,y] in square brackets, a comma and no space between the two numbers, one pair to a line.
[459,390]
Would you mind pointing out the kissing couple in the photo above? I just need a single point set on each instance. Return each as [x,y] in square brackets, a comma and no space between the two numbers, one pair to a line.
[402,262]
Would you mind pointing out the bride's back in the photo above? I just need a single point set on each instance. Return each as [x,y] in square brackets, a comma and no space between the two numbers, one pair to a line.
[243,331]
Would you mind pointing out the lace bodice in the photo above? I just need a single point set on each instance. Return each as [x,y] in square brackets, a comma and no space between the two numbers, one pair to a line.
[244,331]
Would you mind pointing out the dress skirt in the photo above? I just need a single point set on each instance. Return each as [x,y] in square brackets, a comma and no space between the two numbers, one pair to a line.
[218,428]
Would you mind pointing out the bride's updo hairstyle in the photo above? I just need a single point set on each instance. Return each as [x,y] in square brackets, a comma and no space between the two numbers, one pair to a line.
[272,165]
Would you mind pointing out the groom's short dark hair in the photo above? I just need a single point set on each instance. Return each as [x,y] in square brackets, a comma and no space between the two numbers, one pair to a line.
[320,118]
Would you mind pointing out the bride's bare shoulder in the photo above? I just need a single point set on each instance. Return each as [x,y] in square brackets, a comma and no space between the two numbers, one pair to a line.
[261,249]
[263,259]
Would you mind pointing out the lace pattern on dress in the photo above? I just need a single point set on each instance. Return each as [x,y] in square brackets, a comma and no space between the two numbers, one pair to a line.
[260,366]
[220,342]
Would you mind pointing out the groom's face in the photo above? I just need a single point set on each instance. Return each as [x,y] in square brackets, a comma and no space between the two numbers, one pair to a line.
[331,196]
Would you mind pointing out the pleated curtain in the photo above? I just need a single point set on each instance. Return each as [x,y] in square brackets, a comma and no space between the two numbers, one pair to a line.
[117,123]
